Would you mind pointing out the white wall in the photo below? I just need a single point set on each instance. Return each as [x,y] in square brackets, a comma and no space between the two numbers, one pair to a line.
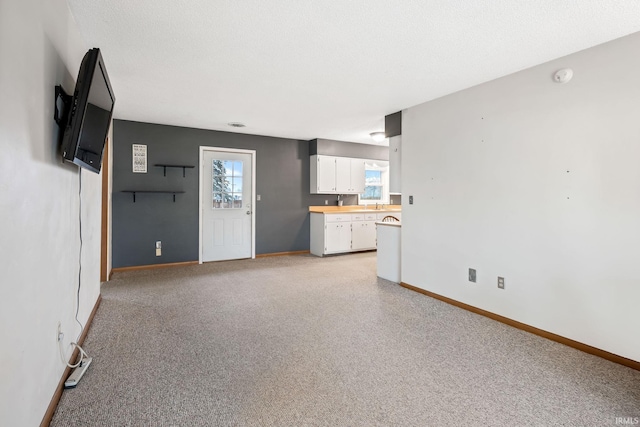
[39,208]
[538,182]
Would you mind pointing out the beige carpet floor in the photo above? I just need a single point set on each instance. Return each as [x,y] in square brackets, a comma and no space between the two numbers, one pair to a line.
[306,341]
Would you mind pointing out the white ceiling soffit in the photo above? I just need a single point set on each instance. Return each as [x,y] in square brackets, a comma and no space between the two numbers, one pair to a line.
[320,68]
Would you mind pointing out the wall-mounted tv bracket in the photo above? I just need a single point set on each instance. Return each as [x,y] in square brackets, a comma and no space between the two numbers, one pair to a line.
[62,106]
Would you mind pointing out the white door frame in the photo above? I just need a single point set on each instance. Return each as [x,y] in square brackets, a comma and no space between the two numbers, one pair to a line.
[253,195]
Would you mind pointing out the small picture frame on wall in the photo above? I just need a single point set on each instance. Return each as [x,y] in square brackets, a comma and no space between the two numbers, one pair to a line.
[139,158]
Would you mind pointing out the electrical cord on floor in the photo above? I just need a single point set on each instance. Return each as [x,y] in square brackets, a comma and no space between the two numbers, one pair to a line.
[80,255]
[81,355]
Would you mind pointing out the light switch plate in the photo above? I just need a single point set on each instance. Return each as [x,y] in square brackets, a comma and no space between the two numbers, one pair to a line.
[472,275]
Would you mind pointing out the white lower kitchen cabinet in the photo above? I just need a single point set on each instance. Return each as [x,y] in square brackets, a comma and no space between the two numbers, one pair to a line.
[337,237]
[330,234]
[335,233]
[363,231]
[363,235]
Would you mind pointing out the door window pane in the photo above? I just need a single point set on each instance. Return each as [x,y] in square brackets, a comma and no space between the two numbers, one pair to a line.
[237,168]
[228,167]
[236,200]
[226,176]
[237,185]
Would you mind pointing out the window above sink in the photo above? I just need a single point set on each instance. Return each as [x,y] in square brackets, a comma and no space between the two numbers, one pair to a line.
[376,188]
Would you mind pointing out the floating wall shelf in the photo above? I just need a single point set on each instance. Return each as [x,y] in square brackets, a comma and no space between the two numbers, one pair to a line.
[152,191]
[184,168]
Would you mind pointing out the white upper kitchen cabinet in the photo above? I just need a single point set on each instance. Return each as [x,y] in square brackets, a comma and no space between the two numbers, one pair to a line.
[343,175]
[323,174]
[357,175]
[336,175]
[349,175]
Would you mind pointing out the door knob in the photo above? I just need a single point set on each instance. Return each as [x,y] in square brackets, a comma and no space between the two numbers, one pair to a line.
[248,212]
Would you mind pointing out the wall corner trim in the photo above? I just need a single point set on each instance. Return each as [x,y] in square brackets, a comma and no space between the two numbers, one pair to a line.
[633,364]
[48,415]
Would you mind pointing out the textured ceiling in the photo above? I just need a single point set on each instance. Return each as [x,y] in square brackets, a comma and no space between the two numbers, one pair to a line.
[325,68]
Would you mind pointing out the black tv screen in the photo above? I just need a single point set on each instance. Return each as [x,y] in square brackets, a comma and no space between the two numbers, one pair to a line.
[90,115]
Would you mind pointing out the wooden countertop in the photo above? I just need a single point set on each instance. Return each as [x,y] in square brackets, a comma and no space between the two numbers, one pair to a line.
[353,209]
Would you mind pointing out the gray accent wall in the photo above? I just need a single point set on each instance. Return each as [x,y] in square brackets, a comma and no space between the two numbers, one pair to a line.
[282,181]
[330,147]
[393,124]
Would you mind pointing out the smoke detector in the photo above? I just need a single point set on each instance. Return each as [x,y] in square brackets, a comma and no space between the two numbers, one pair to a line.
[563,76]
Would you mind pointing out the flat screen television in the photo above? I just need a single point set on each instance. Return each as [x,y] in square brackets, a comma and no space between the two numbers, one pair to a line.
[89,115]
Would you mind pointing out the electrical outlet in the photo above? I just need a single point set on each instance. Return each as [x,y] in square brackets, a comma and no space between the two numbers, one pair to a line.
[158,248]
[501,282]
[410,200]
[258,198]
[326,202]
[472,275]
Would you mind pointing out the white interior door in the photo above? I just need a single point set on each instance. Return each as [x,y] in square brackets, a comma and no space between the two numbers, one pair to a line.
[226,204]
